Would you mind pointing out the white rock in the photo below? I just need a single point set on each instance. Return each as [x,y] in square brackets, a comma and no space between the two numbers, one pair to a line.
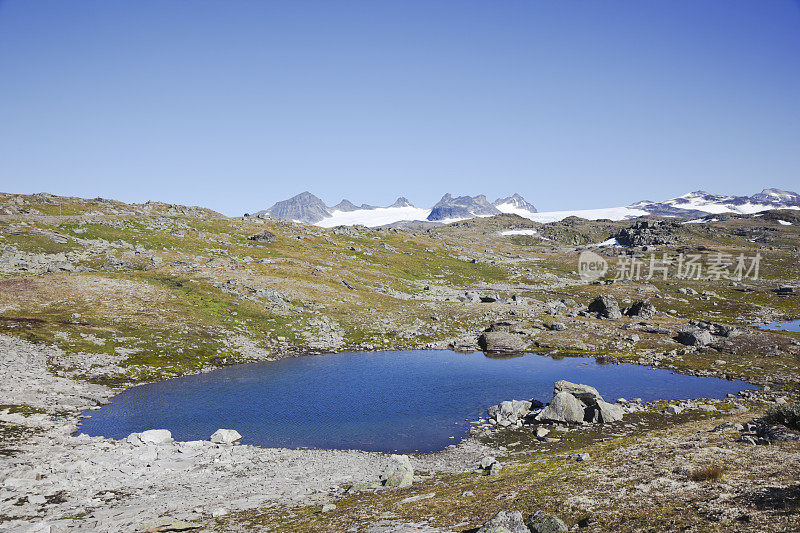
[226,436]
[155,436]
[673,409]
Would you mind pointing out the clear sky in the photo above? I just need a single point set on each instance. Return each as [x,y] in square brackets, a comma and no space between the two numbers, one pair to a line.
[237,104]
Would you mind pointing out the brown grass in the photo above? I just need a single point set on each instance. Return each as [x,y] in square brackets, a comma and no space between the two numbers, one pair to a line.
[707,473]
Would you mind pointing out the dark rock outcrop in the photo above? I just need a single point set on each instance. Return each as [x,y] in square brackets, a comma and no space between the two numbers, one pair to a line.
[606,306]
[648,233]
[264,236]
[642,309]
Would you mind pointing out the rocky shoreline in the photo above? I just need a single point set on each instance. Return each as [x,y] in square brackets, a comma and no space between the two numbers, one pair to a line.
[56,479]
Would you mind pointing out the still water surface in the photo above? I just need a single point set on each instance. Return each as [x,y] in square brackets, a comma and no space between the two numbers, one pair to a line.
[379,401]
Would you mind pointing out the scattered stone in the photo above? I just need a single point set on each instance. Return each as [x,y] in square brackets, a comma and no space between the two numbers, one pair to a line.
[264,236]
[328,507]
[509,412]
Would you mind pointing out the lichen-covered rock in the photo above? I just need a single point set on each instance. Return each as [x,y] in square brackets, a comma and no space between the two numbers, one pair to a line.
[539,522]
[505,522]
[398,473]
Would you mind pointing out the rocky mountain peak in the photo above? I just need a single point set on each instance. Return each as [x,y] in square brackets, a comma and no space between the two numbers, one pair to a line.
[304,207]
[462,207]
[513,203]
[402,201]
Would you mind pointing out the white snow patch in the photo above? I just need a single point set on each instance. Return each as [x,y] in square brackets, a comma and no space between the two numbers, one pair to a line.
[374,217]
[784,223]
[611,213]
[610,242]
[513,210]
[519,232]
[700,221]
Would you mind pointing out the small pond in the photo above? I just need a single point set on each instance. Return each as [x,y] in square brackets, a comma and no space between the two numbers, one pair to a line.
[780,325]
[380,401]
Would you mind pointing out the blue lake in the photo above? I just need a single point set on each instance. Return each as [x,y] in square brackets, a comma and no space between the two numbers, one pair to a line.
[381,401]
[780,325]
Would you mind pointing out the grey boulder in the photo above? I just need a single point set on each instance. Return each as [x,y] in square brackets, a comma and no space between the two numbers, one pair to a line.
[398,473]
[692,336]
[584,393]
[539,522]
[564,408]
[509,412]
[606,306]
[642,309]
[499,342]
[505,522]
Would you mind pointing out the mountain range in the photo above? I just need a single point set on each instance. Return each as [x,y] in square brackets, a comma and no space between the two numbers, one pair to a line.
[309,209]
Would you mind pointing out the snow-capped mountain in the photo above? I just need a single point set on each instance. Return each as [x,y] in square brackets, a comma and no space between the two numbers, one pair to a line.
[514,204]
[701,203]
[449,208]
[308,209]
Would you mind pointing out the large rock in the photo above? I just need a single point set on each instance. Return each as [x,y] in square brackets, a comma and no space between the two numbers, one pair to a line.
[539,522]
[509,412]
[692,336]
[226,436]
[398,473]
[564,408]
[155,436]
[500,342]
[642,309]
[584,393]
[505,522]
[606,306]
[604,412]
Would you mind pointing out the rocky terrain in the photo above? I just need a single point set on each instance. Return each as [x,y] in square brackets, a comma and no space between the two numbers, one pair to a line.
[97,296]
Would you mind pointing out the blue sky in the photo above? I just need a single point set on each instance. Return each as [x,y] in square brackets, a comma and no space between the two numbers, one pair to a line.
[235,105]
